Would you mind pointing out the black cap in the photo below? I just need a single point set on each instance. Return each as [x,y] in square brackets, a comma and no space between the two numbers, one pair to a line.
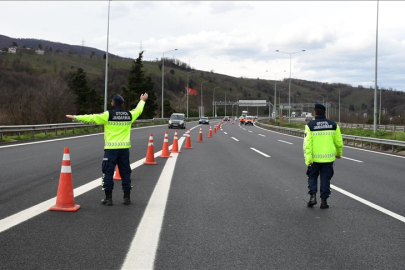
[320,106]
[118,98]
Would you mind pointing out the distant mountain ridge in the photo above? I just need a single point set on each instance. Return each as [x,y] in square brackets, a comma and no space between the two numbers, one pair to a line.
[32,43]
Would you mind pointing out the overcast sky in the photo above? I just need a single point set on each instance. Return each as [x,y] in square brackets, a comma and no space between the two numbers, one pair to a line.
[233,38]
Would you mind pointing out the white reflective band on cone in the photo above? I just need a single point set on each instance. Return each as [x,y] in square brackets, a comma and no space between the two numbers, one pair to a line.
[66,156]
[151,143]
[150,138]
[66,169]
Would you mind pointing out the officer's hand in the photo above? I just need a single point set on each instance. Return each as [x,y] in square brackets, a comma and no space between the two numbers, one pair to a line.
[310,163]
[337,156]
[70,116]
[144,97]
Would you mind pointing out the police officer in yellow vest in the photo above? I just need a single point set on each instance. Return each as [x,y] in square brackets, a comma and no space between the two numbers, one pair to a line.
[117,137]
[322,144]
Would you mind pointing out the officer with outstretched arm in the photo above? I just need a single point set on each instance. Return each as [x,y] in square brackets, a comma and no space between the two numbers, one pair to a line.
[117,141]
[322,144]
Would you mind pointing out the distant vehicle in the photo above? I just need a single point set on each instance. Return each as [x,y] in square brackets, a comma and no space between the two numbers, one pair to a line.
[304,114]
[204,120]
[244,113]
[226,118]
[249,120]
[255,117]
[177,120]
[309,117]
[293,114]
[241,119]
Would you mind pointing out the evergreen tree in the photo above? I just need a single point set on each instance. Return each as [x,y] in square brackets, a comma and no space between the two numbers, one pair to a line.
[137,85]
[87,99]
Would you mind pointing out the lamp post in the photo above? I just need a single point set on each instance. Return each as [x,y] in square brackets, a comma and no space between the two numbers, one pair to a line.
[289,84]
[275,92]
[163,76]
[237,106]
[187,89]
[375,88]
[225,103]
[213,100]
[201,113]
[106,60]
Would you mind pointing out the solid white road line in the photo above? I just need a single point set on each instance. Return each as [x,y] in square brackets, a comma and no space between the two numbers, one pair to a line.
[372,205]
[352,159]
[235,139]
[13,220]
[259,152]
[141,254]
[262,135]
[284,142]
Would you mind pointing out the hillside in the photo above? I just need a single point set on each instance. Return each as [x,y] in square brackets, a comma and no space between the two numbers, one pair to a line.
[355,102]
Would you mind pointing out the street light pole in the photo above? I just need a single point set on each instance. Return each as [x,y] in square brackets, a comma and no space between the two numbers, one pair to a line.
[289,84]
[201,113]
[163,76]
[106,60]
[375,80]
[213,101]
[275,93]
[225,103]
[187,89]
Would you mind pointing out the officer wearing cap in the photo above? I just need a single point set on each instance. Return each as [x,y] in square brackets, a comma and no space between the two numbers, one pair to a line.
[117,141]
[322,144]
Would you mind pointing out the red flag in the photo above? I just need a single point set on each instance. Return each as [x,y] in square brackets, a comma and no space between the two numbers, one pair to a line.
[191,91]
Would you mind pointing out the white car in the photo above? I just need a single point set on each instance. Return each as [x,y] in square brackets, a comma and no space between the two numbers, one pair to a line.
[309,117]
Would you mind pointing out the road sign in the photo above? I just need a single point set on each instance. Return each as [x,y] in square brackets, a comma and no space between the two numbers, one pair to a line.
[252,103]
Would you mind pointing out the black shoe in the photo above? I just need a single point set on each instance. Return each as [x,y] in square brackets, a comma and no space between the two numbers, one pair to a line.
[324,204]
[127,197]
[312,200]
[108,198]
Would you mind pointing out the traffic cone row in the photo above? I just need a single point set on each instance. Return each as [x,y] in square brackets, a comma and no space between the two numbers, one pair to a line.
[65,198]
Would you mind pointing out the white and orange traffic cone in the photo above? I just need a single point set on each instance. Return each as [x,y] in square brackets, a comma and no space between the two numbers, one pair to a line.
[150,153]
[165,148]
[175,147]
[65,200]
[117,175]
[210,133]
[188,141]
[215,129]
[200,137]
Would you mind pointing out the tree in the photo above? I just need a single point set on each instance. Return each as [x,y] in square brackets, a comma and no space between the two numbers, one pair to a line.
[14,44]
[40,46]
[168,110]
[137,85]
[92,54]
[87,99]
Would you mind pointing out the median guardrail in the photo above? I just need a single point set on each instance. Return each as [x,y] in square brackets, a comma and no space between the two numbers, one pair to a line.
[65,126]
[355,141]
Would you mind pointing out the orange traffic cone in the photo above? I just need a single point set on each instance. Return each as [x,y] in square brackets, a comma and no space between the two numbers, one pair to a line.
[200,138]
[210,133]
[150,153]
[188,141]
[117,175]
[175,147]
[165,148]
[215,129]
[65,200]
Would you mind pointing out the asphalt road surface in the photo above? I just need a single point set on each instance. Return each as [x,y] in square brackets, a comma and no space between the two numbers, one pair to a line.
[234,201]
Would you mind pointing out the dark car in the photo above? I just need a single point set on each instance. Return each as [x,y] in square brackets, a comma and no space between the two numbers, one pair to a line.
[226,118]
[204,120]
[177,120]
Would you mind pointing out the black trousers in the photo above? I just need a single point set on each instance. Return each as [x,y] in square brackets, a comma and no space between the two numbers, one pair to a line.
[325,170]
[112,158]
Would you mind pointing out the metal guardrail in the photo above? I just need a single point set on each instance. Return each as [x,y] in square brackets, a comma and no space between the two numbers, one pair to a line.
[65,126]
[346,138]
[379,127]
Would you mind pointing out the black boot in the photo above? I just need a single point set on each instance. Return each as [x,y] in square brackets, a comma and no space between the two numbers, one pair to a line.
[108,198]
[324,204]
[312,200]
[127,197]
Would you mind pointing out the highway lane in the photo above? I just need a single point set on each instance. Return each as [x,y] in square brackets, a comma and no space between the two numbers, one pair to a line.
[229,207]
[253,214]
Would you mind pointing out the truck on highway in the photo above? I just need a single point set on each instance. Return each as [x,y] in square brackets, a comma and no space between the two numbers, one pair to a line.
[242,118]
